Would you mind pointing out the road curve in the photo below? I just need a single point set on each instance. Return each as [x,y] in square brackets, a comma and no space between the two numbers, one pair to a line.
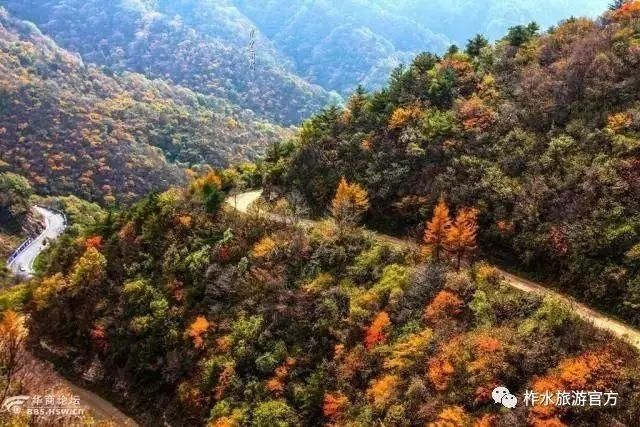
[22,265]
[242,201]
[597,319]
[55,224]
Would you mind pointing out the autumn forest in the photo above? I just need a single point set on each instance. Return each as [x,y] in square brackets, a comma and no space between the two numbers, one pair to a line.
[307,243]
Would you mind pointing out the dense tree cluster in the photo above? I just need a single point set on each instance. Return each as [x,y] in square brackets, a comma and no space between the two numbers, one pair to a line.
[202,45]
[202,316]
[69,128]
[339,45]
[540,132]
[205,44]
[15,192]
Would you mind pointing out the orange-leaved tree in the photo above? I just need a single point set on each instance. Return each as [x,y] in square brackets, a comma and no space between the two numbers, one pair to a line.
[334,405]
[350,202]
[476,115]
[403,115]
[377,332]
[451,416]
[445,305]
[93,242]
[441,369]
[197,330]
[277,383]
[438,228]
[628,10]
[461,236]
[592,370]
[384,390]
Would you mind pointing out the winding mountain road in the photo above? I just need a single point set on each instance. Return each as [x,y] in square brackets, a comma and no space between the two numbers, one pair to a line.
[55,224]
[22,265]
[243,201]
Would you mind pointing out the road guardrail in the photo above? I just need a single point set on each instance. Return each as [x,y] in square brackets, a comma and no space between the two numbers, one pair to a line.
[30,240]
[15,253]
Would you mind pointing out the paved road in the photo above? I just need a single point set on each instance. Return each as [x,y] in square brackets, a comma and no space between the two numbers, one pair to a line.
[55,224]
[599,320]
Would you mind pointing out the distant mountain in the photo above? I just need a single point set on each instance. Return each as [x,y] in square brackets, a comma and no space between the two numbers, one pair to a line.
[201,44]
[341,44]
[303,48]
[460,19]
[70,128]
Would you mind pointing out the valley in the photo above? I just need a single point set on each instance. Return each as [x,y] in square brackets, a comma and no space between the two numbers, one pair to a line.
[232,213]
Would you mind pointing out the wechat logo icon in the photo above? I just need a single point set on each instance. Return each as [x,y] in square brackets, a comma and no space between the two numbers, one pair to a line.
[503,396]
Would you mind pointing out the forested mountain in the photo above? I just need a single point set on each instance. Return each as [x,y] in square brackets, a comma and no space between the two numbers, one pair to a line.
[492,18]
[525,151]
[203,44]
[199,44]
[194,315]
[540,132]
[70,128]
[340,44]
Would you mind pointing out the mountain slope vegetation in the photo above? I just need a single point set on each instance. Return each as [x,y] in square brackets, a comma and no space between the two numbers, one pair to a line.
[203,44]
[339,45]
[189,312]
[199,44]
[203,316]
[540,132]
[70,128]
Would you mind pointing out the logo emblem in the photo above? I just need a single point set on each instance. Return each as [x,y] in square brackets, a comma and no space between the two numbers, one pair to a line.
[504,397]
[14,404]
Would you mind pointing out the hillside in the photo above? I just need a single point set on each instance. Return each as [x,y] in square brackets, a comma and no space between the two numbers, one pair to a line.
[198,44]
[203,44]
[70,128]
[345,278]
[205,317]
[491,18]
[339,45]
[540,132]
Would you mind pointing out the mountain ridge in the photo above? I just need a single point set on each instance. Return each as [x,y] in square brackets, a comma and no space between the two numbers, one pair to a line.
[154,38]
[70,128]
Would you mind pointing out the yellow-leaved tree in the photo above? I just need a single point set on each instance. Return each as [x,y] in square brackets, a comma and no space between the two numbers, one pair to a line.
[90,270]
[350,203]
[404,115]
